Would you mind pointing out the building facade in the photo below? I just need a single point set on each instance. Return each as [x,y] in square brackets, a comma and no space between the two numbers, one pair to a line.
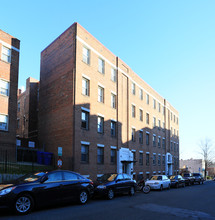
[102,115]
[27,110]
[27,121]
[9,67]
[193,166]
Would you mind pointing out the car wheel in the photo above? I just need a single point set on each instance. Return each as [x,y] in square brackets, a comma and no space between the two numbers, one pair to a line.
[202,182]
[146,189]
[131,191]
[161,187]
[24,204]
[110,194]
[199,182]
[83,197]
[176,185]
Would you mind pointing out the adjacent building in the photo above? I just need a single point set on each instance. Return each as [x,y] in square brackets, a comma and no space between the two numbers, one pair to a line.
[9,67]
[102,115]
[27,121]
[192,166]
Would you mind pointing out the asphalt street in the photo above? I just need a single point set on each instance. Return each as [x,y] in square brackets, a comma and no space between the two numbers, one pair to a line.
[191,202]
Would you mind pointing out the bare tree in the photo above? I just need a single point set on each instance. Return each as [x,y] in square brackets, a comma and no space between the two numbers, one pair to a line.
[207,152]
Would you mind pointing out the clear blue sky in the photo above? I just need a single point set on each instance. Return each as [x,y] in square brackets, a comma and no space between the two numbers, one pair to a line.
[170,44]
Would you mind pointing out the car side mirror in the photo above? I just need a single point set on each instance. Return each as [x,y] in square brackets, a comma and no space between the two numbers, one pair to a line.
[43,179]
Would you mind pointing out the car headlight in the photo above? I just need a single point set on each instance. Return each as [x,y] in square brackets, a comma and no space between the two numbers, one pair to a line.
[101,187]
[6,191]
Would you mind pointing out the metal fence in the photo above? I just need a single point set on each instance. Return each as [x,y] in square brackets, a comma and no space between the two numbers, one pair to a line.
[16,162]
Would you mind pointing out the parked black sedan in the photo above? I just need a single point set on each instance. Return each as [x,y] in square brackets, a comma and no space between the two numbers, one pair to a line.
[44,188]
[177,181]
[110,184]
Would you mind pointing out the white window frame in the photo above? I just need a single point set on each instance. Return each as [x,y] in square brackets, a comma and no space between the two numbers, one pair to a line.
[85,86]
[113,74]
[6,56]
[4,87]
[4,122]
[101,65]
[86,57]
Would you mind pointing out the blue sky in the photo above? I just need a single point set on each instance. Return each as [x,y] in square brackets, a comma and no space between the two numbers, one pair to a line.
[170,44]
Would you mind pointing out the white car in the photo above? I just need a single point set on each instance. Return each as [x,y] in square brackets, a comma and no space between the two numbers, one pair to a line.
[158,182]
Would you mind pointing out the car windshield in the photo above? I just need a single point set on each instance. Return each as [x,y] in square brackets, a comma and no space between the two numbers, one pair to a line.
[173,177]
[29,178]
[156,178]
[108,177]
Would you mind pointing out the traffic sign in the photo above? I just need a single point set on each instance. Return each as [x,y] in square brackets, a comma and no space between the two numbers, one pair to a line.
[59,163]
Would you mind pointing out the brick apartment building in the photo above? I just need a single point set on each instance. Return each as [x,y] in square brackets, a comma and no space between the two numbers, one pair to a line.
[27,120]
[9,67]
[27,110]
[102,114]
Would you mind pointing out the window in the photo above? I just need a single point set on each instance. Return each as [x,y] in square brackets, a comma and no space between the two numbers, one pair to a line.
[18,107]
[174,147]
[154,122]
[101,66]
[141,94]
[147,138]
[171,116]
[134,157]
[70,176]
[113,74]
[159,107]
[113,100]
[85,153]
[163,125]
[113,156]
[141,158]
[163,160]
[163,110]
[133,134]
[147,159]
[159,160]
[164,143]
[141,115]
[159,141]
[85,86]
[85,120]
[6,54]
[154,140]
[100,94]
[133,88]
[113,128]
[171,145]
[18,123]
[154,159]
[100,155]
[4,122]
[54,177]
[133,109]
[141,137]
[4,87]
[100,124]
[147,99]
[154,103]
[147,118]
[159,123]
[86,55]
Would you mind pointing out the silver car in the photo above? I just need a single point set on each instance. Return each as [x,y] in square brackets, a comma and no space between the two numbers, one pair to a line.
[159,182]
